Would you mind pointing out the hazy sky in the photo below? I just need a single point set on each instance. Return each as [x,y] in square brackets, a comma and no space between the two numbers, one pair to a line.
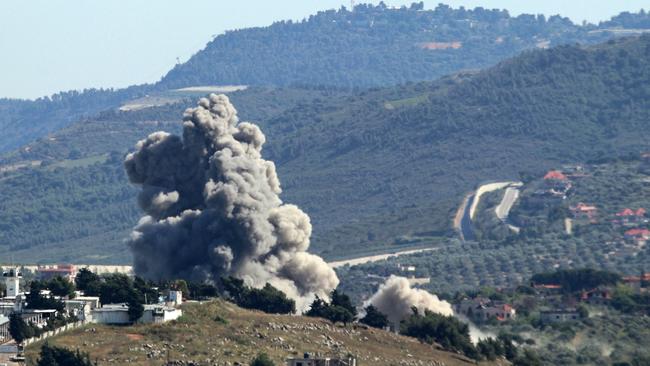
[53,45]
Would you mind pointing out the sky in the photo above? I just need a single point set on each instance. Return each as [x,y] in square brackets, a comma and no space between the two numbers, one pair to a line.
[55,45]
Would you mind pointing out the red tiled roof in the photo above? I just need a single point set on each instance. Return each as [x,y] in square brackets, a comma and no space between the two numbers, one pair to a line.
[637,232]
[555,175]
[583,207]
[629,212]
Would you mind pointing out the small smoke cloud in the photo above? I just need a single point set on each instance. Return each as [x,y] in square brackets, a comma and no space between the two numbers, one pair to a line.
[213,208]
[476,334]
[395,298]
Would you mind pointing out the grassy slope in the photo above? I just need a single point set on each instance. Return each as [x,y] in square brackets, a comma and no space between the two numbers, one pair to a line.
[240,335]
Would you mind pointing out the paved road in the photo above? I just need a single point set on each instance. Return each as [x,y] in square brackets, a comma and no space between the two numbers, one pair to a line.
[466,231]
[509,198]
[377,258]
[511,195]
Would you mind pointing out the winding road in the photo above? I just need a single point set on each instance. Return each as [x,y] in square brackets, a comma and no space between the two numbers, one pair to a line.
[468,208]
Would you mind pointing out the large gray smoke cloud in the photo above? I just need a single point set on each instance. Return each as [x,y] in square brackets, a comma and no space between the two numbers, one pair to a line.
[213,208]
[395,298]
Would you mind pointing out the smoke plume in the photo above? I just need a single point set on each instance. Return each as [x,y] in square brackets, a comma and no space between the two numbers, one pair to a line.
[395,298]
[213,208]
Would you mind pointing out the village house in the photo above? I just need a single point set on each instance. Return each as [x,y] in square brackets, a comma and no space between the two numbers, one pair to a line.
[597,296]
[584,211]
[629,217]
[637,236]
[558,315]
[119,314]
[308,360]
[638,284]
[482,309]
[4,328]
[557,184]
[65,271]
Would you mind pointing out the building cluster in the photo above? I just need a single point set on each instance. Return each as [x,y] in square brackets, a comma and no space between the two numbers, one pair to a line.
[481,309]
[84,308]
[308,360]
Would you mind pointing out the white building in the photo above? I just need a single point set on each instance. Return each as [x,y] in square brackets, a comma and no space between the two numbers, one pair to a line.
[119,314]
[175,297]
[82,306]
[12,282]
[307,360]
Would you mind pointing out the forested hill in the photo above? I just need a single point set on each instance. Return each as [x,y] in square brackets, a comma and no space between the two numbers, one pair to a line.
[371,46]
[378,169]
[23,121]
[377,45]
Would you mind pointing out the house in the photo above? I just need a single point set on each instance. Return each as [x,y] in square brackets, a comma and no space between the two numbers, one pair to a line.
[555,175]
[119,314]
[597,296]
[12,283]
[584,211]
[557,184]
[638,283]
[4,328]
[308,360]
[631,217]
[637,236]
[558,315]
[501,312]
[482,309]
[82,306]
[546,289]
[66,271]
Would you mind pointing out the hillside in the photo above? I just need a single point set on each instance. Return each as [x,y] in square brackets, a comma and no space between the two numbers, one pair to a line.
[370,46]
[23,121]
[379,169]
[220,332]
[379,46]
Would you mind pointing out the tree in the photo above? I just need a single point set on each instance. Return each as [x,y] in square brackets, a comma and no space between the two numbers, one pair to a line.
[37,301]
[262,359]
[61,287]
[448,331]
[343,300]
[334,313]
[88,282]
[374,318]
[57,356]
[267,299]
[136,309]
[18,329]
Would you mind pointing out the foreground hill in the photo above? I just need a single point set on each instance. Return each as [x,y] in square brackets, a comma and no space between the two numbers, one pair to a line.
[221,333]
[376,170]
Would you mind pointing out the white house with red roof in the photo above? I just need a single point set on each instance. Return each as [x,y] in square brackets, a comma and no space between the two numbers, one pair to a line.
[629,216]
[638,236]
[584,211]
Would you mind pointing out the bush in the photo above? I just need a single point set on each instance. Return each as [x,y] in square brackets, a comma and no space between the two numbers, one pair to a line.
[268,299]
[262,359]
[57,356]
[447,331]
[339,310]
[374,318]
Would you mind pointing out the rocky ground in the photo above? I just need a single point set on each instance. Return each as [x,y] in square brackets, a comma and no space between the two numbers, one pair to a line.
[220,333]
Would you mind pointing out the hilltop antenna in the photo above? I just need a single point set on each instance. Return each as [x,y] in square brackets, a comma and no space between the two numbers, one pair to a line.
[352,4]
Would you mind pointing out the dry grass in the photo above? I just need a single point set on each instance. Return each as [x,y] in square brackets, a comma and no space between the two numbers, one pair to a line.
[218,332]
